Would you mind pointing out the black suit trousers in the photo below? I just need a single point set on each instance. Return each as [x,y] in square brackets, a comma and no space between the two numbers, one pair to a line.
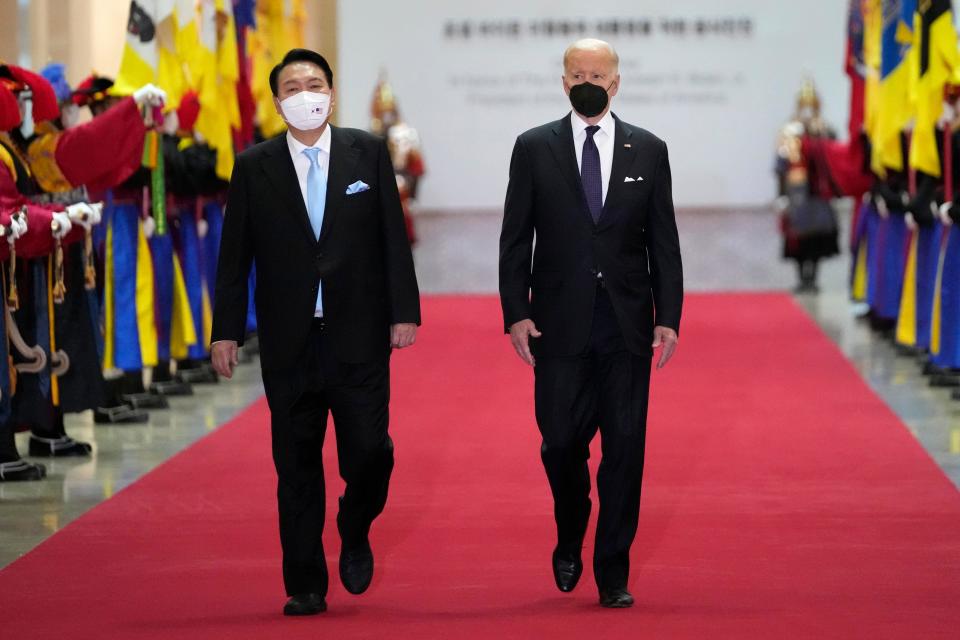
[300,399]
[605,387]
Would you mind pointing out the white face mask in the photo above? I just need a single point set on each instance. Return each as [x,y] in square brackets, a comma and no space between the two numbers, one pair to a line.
[69,115]
[306,110]
[26,111]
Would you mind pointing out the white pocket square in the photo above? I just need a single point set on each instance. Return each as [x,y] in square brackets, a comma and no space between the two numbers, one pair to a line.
[637,179]
[357,187]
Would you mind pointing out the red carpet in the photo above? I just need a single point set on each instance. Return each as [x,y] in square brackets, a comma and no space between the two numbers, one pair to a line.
[782,500]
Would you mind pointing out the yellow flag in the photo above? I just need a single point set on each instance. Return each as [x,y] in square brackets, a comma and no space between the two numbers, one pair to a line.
[279,29]
[894,108]
[214,70]
[938,63]
[149,53]
[872,29]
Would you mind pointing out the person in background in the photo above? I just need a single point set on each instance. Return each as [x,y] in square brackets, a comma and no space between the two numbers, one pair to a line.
[807,218]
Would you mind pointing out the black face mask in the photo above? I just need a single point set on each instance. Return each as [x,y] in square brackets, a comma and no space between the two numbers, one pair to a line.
[589,99]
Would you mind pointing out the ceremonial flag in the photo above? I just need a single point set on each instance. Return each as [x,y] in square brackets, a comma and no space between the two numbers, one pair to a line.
[938,63]
[149,54]
[214,70]
[855,67]
[244,15]
[279,28]
[872,28]
[894,110]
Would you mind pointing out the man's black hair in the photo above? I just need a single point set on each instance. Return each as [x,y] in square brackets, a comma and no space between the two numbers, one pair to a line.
[300,55]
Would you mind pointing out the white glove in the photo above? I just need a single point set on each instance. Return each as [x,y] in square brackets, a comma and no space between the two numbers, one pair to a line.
[945,214]
[61,224]
[18,227]
[81,213]
[150,95]
[97,209]
[882,207]
[911,221]
[149,226]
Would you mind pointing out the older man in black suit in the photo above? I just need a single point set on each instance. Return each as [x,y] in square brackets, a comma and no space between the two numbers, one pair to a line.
[602,290]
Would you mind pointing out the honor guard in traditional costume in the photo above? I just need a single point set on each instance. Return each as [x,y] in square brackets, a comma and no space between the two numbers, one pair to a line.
[196,230]
[69,163]
[808,220]
[12,225]
[944,362]
[403,142]
[928,233]
[187,167]
[130,331]
[34,276]
[887,237]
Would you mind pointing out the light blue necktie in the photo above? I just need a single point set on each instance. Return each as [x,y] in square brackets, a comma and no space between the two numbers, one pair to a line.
[316,202]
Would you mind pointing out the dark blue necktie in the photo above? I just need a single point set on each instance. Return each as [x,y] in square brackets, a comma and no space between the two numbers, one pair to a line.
[590,174]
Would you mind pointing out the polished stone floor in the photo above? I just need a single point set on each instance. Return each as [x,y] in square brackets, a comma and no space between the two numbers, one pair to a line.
[457,253]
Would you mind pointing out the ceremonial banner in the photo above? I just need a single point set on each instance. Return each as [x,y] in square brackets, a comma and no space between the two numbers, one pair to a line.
[938,64]
[894,99]
[149,54]
[715,80]
[278,28]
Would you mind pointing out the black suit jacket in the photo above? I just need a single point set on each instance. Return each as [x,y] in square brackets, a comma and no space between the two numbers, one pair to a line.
[363,256]
[634,245]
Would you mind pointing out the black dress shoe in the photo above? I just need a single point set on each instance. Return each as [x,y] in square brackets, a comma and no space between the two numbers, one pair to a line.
[567,568]
[356,568]
[119,414]
[615,598]
[305,604]
[145,400]
[21,470]
[61,447]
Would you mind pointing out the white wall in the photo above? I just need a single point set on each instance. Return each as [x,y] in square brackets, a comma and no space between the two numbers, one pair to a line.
[717,100]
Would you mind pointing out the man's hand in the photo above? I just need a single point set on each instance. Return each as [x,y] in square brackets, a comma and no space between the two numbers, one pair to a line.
[667,338]
[520,333]
[223,355]
[403,335]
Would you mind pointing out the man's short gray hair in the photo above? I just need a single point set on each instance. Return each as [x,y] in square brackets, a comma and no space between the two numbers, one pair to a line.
[592,44]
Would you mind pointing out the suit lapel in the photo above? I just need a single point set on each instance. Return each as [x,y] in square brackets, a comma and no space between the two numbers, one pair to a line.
[561,145]
[343,160]
[278,166]
[623,157]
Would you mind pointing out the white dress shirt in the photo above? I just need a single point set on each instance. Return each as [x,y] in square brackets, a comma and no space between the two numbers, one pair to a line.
[301,163]
[604,141]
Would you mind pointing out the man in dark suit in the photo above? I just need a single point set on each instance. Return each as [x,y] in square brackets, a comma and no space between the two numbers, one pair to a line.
[602,290]
[318,210]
